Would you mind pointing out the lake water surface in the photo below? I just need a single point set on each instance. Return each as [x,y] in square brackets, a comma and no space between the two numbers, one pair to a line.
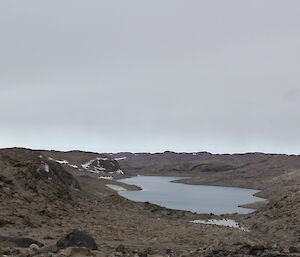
[196,198]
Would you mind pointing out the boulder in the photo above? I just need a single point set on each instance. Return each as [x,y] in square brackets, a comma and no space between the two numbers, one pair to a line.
[34,247]
[49,249]
[120,248]
[77,238]
[294,249]
[257,250]
[22,242]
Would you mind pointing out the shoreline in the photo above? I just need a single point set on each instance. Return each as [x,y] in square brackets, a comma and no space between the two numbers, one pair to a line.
[248,206]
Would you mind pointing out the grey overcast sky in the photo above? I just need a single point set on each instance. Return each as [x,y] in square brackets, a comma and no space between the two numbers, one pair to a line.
[153,75]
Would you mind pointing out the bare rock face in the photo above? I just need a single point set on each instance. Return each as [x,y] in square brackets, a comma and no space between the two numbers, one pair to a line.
[33,190]
[77,238]
[29,171]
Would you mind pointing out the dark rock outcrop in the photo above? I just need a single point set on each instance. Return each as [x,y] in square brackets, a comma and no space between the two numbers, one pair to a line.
[77,238]
[22,242]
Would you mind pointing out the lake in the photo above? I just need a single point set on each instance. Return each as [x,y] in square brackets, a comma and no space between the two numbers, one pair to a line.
[196,198]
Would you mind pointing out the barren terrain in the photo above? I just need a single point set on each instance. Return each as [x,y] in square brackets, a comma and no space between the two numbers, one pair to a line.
[44,198]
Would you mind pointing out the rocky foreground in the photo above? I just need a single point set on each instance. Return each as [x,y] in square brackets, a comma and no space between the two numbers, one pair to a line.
[58,204]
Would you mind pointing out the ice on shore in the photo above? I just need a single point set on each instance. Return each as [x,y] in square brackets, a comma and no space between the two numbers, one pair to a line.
[223,222]
[115,187]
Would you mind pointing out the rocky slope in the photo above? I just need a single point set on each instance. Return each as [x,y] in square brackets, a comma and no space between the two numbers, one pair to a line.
[83,162]
[280,218]
[33,189]
[44,200]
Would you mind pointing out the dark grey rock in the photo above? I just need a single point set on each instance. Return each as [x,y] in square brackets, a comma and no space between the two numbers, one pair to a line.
[257,250]
[294,249]
[22,242]
[77,238]
[120,248]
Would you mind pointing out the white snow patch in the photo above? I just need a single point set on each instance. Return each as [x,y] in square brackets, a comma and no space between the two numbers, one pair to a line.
[58,161]
[46,167]
[102,158]
[108,178]
[224,222]
[88,164]
[62,161]
[85,166]
[121,158]
[97,168]
[73,166]
[115,187]
[120,172]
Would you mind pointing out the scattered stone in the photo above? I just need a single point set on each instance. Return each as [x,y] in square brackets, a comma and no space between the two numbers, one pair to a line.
[169,251]
[237,242]
[22,242]
[76,252]
[8,251]
[34,247]
[294,249]
[257,250]
[4,222]
[120,248]
[77,238]
[48,237]
[49,248]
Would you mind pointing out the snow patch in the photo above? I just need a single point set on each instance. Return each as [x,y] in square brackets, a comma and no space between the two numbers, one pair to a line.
[64,162]
[120,172]
[58,161]
[115,187]
[88,164]
[121,158]
[102,158]
[107,178]
[46,168]
[73,166]
[94,166]
[224,222]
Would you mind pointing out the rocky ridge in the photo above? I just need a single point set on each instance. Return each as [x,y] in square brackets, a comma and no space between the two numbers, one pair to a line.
[98,164]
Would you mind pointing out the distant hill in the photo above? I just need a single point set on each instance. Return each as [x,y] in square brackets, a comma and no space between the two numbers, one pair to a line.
[268,172]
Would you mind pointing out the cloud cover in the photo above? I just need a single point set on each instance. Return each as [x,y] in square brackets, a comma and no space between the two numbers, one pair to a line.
[220,76]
